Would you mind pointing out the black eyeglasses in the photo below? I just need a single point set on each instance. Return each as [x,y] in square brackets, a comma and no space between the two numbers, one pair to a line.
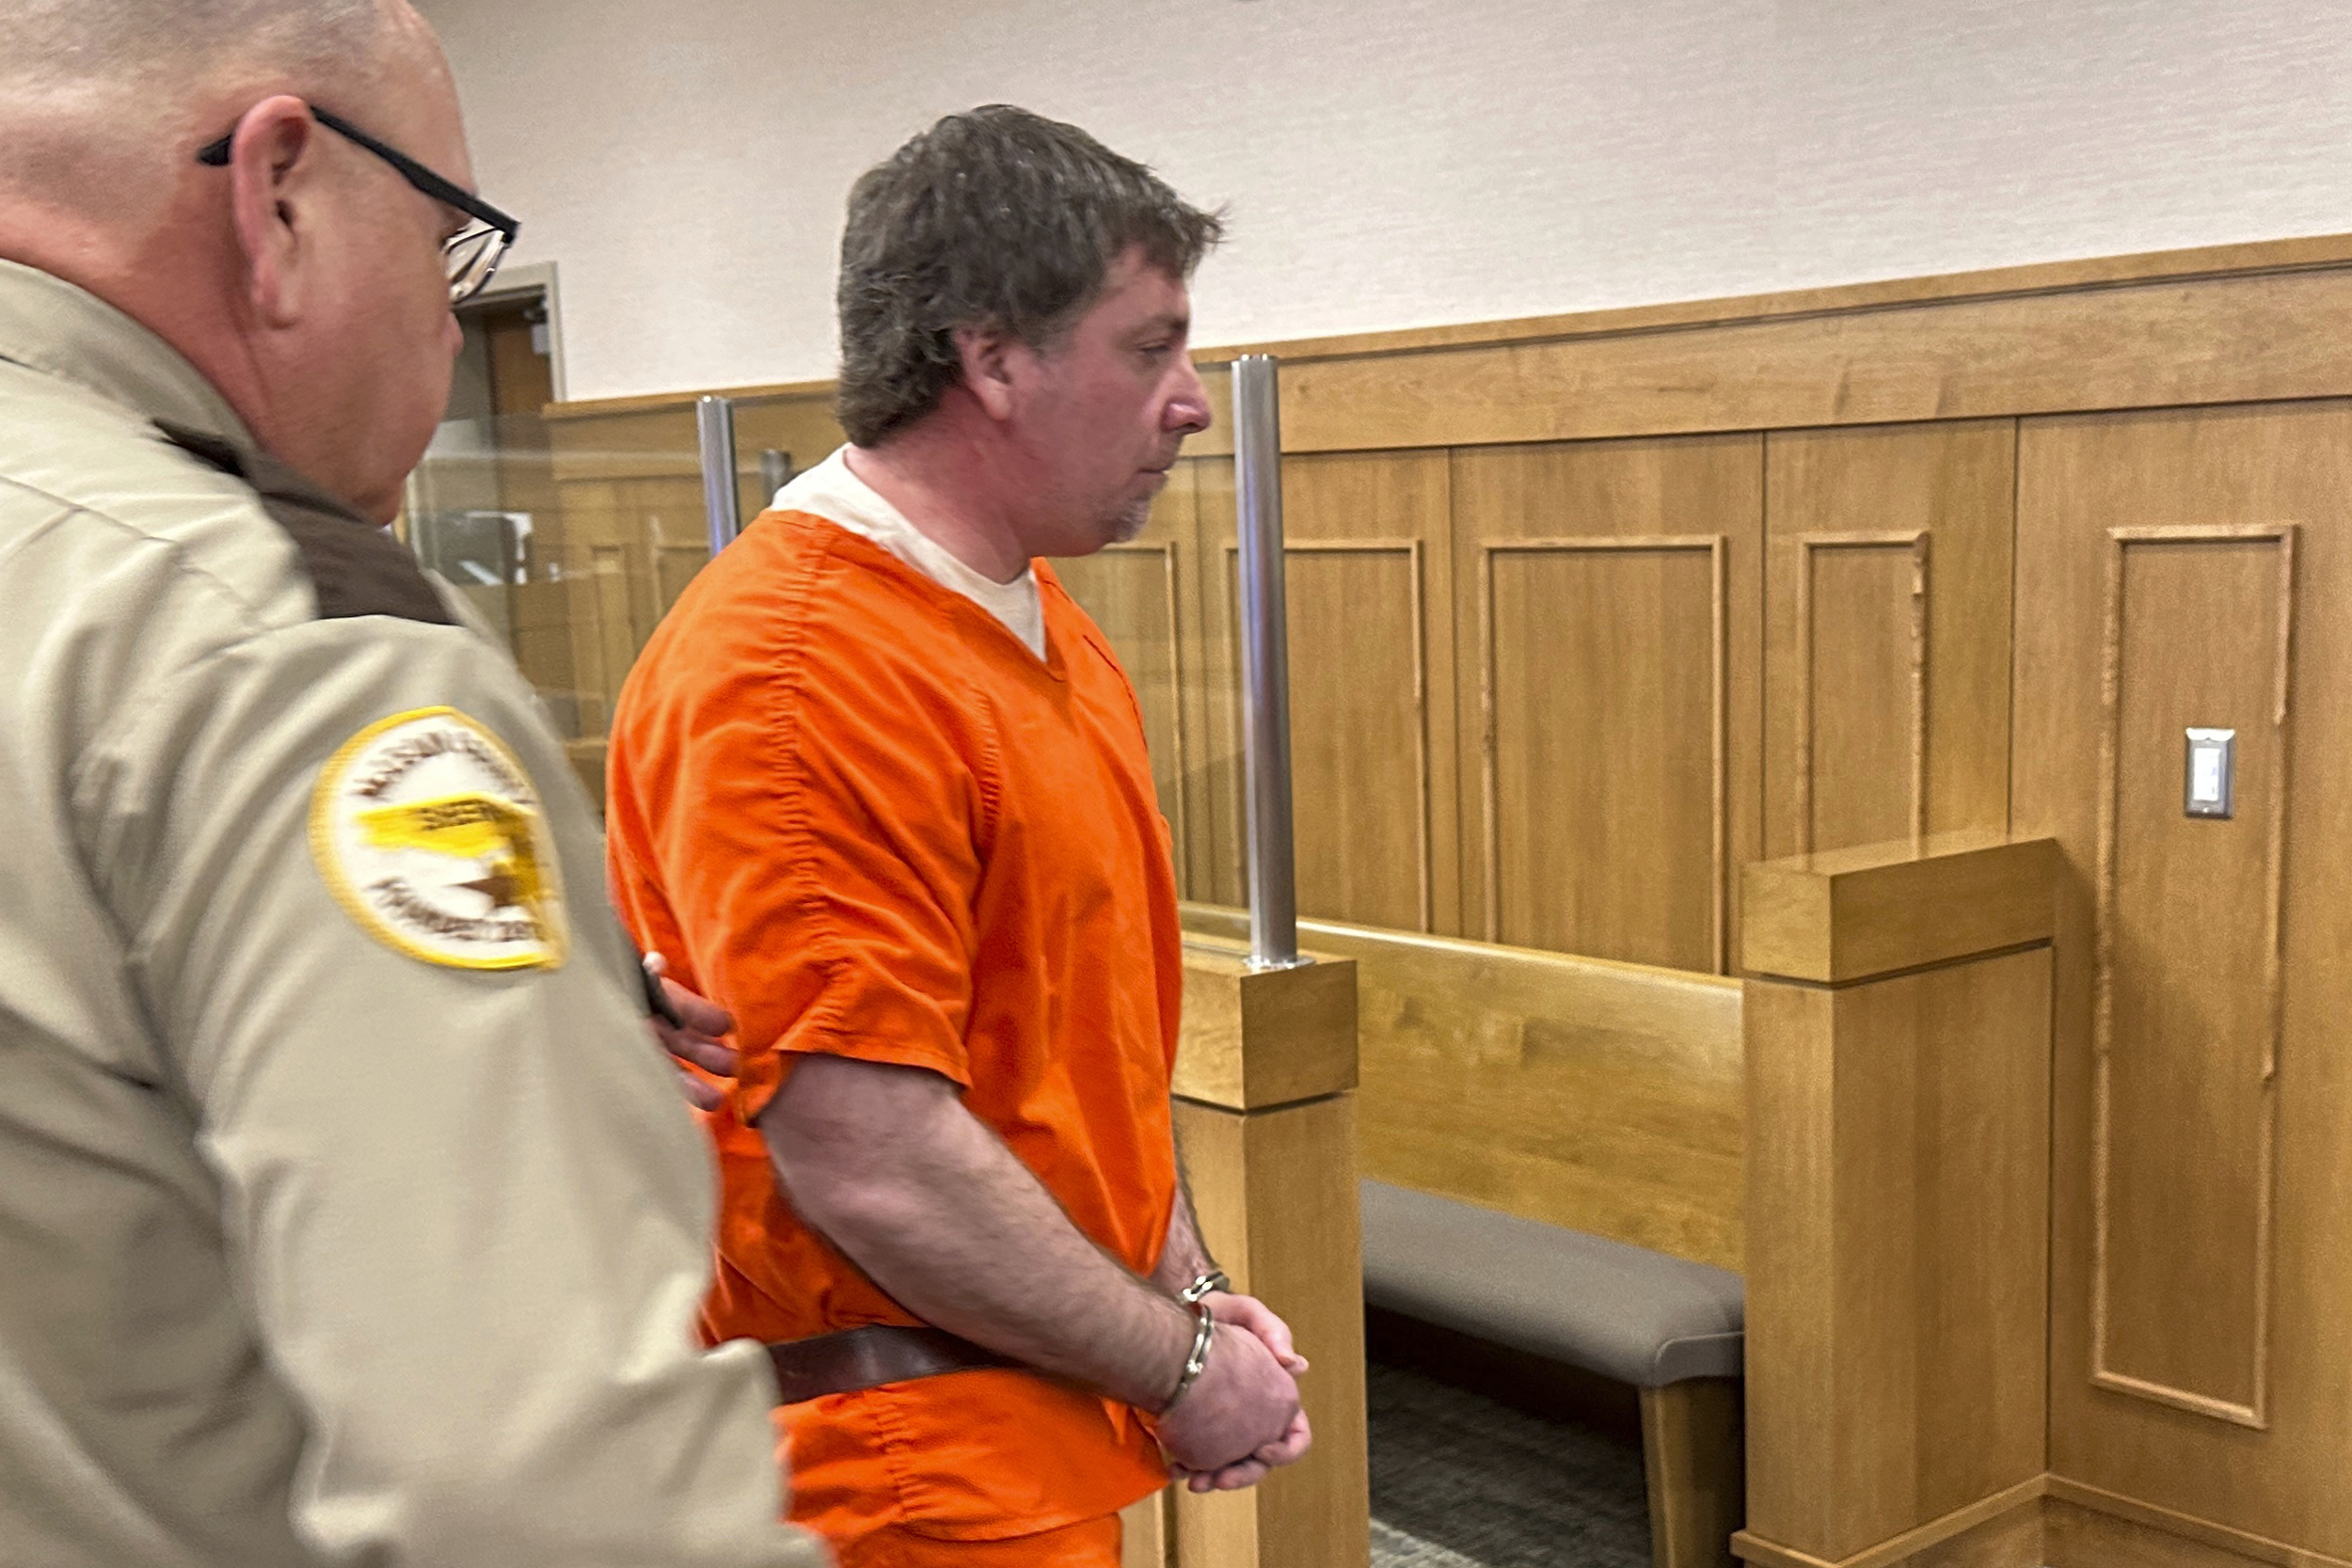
[471,255]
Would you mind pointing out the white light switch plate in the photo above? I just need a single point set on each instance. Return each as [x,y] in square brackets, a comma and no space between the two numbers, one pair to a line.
[2212,773]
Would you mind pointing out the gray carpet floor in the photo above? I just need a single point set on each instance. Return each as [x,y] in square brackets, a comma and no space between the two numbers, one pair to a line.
[1460,1482]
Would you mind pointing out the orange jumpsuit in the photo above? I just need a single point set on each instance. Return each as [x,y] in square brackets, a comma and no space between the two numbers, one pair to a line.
[858,811]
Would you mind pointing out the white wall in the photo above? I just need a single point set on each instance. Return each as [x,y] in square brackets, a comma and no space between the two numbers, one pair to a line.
[1395,163]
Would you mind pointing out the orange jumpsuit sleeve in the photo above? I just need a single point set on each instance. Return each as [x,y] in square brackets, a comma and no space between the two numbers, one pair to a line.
[820,852]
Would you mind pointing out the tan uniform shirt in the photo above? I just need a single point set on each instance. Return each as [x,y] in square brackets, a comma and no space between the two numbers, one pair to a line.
[347,1213]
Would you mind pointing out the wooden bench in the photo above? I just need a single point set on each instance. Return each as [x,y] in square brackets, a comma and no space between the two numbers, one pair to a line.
[1553,1149]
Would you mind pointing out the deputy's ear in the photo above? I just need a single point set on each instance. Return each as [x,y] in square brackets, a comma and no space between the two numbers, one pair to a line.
[987,357]
[273,172]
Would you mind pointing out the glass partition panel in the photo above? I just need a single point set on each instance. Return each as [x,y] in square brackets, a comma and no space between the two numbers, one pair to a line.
[572,537]
[571,541]
[1167,600]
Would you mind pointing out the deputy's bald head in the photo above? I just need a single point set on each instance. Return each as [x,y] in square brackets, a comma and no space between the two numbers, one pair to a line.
[94,92]
[303,274]
[87,38]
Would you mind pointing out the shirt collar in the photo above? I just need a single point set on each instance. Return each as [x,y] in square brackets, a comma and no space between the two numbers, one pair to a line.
[50,325]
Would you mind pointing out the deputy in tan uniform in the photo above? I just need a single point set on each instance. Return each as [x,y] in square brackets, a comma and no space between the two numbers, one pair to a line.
[347,1215]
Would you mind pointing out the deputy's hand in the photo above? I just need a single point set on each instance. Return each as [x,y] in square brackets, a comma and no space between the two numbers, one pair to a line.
[694,1039]
[1242,1404]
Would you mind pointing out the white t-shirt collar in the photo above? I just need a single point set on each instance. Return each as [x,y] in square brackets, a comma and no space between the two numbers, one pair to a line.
[830,490]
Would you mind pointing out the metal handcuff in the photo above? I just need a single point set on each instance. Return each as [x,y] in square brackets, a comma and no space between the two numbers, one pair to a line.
[1204,1330]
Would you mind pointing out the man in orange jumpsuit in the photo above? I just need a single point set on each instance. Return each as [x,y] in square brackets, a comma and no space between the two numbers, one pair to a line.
[879,786]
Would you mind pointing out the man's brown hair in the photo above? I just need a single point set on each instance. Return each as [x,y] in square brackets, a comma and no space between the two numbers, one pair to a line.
[997,218]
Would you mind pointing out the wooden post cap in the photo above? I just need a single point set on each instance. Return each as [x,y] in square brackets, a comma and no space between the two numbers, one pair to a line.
[1851,914]
[1255,1039]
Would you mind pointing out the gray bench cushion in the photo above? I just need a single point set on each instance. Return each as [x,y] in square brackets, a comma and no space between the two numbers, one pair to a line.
[1626,1312]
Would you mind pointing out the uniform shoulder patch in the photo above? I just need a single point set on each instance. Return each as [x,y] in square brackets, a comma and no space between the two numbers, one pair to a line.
[429,832]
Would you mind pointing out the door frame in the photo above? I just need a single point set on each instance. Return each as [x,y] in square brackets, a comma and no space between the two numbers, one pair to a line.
[513,285]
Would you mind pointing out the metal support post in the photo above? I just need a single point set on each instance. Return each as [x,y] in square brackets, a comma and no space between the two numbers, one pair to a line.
[776,472]
[714,423]
[1265,674]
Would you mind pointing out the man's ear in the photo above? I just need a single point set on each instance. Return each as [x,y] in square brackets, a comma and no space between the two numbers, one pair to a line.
[989,367]
[273,165]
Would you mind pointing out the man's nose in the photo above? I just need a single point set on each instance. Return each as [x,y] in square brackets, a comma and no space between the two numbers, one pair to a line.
[453,335]
[1187,412]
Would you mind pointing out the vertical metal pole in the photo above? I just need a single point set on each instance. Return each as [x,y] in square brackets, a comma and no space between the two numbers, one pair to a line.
[776,472]
[1266,672]
[714,423]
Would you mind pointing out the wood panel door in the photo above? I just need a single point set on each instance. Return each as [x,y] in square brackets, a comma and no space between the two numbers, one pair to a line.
[1369,585]
[2178,569]
[1886,660]
[1608,619]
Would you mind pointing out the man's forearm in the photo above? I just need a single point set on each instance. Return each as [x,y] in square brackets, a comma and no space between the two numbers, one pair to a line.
[1183,1258]
[943,1217]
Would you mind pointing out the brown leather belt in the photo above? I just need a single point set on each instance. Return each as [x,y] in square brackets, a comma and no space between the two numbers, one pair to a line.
[859,1358]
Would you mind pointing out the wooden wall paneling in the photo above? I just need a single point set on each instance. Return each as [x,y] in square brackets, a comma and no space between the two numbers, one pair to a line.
[628,495]
[2189,267]
[538,624]
[543,644]
[1219,874]
[1221,871]
[2199,629]
[802,427]
[1217,380]
[522,385]
[2153,344]
[544,649]
[1369,578]
[2001,1531]
[2091,1528]
[1136,592]
[655,443]
[590,508]
[2154,593]
[1860,747]
[1520,759]
[1886,670]
[2055,1523]
[799,425]
[661,538]
[2012,1538]
[1360,753]
[1369,575]
[1609,603]
[1226,786]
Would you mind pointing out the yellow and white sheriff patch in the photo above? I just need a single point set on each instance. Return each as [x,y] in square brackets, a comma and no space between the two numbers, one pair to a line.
[429,831]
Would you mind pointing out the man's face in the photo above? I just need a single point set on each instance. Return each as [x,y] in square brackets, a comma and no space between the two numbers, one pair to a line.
[1107,408]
